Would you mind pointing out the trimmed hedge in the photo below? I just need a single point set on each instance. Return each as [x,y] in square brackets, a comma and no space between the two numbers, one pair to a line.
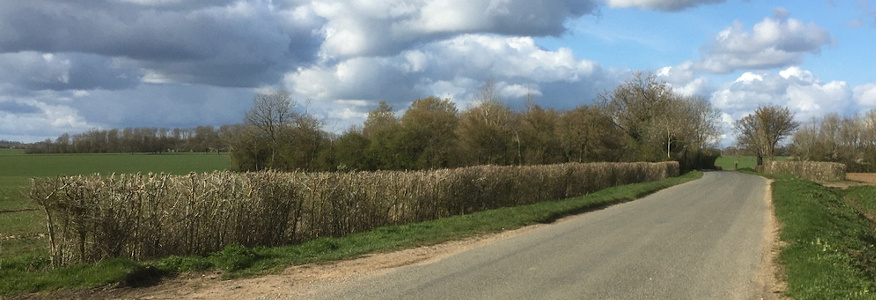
[145,216]
[811,170]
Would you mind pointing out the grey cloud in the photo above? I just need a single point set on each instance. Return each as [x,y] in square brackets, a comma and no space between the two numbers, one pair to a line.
[771,43]
[168,105]
[65,71]
[454,68]
[387,27]
[665,5]
[201,43]
[15,107]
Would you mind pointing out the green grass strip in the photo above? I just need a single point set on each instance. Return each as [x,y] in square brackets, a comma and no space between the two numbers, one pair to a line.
[830,250]
[29,276]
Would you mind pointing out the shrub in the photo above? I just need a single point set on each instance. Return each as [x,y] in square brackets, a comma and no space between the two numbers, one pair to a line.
[234,257]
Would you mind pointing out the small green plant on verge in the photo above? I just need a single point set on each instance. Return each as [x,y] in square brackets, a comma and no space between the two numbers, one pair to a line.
[830,250]
[234,257]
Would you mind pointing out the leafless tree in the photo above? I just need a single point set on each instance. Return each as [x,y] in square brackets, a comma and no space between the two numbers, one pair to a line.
[762,130]
[485,131]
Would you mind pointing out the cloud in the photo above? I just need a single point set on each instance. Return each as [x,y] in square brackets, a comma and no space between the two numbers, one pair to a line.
[801,91]
[32,118]
[165,105]
[684,80]
[65,71]
[455,68]
[385,28]
[772,43]
[867,14]
[865,95]
[666,5]
[220,43]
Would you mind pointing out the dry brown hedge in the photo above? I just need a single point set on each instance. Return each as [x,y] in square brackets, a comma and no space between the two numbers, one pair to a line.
[145,216]
[812,170]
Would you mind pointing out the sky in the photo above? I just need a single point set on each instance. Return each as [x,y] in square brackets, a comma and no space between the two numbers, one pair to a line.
[72,66]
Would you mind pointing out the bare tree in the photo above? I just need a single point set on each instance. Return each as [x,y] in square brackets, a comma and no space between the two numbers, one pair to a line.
[586,135]
[635,107]
[428,137]
[761,131]
[687,124]
[485,131]
[271,114]
[380,119]
[292,136]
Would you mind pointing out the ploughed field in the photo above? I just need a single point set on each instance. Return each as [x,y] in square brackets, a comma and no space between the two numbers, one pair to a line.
[866,178]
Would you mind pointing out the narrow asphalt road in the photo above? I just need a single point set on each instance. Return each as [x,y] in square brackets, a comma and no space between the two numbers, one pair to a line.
[700,240]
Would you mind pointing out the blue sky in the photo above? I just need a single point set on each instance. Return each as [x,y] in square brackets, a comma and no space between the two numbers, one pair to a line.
[71,66]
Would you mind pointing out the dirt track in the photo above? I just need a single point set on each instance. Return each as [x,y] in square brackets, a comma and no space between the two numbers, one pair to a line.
[853,179]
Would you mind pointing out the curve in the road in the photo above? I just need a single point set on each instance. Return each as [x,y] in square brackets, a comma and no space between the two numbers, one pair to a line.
[699,240]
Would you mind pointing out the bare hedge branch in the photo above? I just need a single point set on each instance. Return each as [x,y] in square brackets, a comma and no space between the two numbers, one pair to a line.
[145,216]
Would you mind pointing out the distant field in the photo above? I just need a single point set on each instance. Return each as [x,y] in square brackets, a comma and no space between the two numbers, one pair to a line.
[15,163]
[733,162]
[21,223]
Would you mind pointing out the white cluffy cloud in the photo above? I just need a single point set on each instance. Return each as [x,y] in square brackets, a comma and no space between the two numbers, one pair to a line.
[798,89]
[773,42]
[865,95]
[455,68]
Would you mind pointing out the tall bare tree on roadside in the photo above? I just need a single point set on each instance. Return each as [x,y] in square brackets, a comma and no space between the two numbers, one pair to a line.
[271,114]
[762,130]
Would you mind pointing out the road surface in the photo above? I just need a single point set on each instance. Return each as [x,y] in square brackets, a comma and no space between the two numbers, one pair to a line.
[699,240]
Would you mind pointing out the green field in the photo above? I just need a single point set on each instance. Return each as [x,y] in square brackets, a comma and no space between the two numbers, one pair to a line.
[22,227]
[734,162]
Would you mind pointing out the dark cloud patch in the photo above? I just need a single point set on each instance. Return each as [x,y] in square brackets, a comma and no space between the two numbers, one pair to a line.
[665,5]
[165,106]
[66,71]
[535,18]
[384,28]
[14,107]
[175,39]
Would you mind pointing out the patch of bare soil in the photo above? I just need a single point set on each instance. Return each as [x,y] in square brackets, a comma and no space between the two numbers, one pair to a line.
[854,179]
[294,282]
[771,274]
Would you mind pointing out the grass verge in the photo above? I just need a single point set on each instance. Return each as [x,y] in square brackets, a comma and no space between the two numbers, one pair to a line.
[29,276]
[829,252]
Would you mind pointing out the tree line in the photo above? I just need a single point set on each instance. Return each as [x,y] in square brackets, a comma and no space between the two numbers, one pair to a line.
[833,138]
[830,138]
[641,120]
[143,139]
